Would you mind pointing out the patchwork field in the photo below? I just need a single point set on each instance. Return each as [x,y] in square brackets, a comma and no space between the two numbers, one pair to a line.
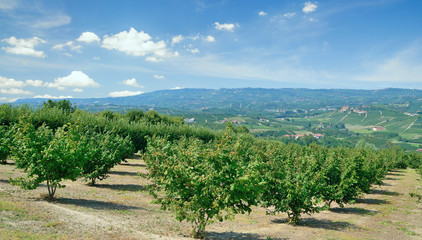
[120,208]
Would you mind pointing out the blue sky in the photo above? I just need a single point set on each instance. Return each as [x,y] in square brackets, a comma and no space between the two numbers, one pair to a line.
[82,49]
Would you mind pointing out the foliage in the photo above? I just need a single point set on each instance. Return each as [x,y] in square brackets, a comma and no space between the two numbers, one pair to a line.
[47,156]
[5,143]
[64,105]
[102,152]
[202,182]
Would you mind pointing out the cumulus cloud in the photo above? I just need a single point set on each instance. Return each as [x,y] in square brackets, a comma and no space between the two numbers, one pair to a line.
[77,90]
[52,97]
[74,79]
[10,83]
[124,93]
[289,14]
[71,45]
[209,38]
[132,82]
[262,13]
[176,88]
[24,46]
[309,7]
[5,99]
[158,76]
[176,39]
[51,21]
[137,44]
[195,50]
[225,26]
[15,91]
[88,37]
[35,83]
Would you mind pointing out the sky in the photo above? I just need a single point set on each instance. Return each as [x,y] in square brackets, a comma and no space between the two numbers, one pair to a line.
[90,49]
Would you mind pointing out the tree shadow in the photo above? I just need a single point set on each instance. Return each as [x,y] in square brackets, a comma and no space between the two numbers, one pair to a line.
[372,201]
[133,164]
[122,187]
[94,204]
[385,184]
[321,223]
[8,162]
[4,181]
[124,173]
[390,178]
[237,236]
[395,174]
[385,192]
[354,210]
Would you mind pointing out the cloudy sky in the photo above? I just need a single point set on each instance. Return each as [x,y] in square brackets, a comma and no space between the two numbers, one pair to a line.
[79,49]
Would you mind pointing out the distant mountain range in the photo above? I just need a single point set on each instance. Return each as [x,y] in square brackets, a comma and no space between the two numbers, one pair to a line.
[255,98]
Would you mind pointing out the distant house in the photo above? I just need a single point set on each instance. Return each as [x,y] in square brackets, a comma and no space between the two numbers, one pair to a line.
[318,135]
[344,108]
[189,120]
[378,128]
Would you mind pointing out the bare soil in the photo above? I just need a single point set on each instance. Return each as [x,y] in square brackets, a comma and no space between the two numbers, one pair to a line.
[120,207]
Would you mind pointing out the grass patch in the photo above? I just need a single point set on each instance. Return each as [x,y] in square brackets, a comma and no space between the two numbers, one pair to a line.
[17,234]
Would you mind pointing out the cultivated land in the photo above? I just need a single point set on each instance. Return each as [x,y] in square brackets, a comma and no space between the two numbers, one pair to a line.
[120,207]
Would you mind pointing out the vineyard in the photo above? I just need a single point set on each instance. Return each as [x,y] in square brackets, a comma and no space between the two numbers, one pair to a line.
[201,176]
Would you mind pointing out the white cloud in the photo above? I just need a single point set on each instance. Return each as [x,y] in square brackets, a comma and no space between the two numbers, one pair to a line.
[132,82]
[24,46]
[176,88]
[5,99]
[75,79]
[77,90]
[52,97]
[124,93]
[262,13]
[153,59]
[35,83]
[51,21]
[209,38]
[88,37]
[158,76]
[96,58]
[10,83]
[137,44]
[71,45]
[176,39]
[195,50]
[289,14]
[195,37]
[309,7]
[225,26]
[16,91]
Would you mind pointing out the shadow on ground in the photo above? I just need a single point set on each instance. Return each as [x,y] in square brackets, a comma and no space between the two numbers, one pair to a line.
[95,204]
[321,223]
[237,236]
[384,192]
[122,187]
[353,210]
[123,173]
[372,201]
[133,164]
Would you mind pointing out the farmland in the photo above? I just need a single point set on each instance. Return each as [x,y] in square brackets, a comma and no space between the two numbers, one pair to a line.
[120,207]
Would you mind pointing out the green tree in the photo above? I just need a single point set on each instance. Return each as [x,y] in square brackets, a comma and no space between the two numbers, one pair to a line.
[5,143]
[202,182]
[47,156]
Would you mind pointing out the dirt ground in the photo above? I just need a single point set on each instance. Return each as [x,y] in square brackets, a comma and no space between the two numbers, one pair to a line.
[120,207]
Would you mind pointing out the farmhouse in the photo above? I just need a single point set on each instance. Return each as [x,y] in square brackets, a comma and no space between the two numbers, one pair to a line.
[378,128]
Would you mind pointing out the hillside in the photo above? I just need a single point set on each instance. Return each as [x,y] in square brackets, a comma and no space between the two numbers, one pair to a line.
[258,99]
